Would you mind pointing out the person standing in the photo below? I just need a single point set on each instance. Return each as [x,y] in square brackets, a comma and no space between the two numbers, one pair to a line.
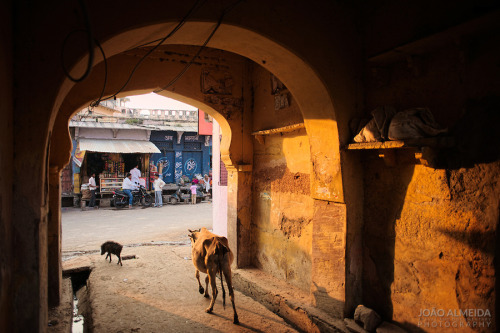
[193,193]
[206,183]
[158,187]
[136,174]
[92,188]
[127,187]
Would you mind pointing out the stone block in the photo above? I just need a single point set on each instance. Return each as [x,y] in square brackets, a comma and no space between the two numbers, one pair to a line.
[352,326]
[105,202]
[368,317]
[76,265]
[386,327]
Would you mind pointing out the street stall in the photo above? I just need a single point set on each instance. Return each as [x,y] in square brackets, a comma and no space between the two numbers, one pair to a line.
[111,160]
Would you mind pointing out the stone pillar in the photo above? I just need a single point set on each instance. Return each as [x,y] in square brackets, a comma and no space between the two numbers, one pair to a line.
[328,257]
[239,209]
[54,237]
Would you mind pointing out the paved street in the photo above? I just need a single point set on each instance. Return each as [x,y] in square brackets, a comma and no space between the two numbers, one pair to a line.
[87,230]
[157,291]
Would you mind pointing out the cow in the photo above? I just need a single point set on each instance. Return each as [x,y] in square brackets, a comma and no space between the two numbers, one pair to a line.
[211,254]
[112,248]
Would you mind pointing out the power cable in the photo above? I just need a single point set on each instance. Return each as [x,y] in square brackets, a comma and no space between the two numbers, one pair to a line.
[176,28]
[90,40]
[96,103]
[184,70]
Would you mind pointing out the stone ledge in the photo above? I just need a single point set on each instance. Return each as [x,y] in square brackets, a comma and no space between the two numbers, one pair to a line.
[60,318]
[289,302]
[78,264]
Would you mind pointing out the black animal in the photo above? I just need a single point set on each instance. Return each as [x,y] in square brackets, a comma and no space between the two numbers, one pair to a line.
[112,248]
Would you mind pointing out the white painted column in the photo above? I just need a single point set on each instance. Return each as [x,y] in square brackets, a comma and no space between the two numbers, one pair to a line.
[219,193]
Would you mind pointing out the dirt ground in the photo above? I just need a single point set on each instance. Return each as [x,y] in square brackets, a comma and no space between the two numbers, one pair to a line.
[158,292]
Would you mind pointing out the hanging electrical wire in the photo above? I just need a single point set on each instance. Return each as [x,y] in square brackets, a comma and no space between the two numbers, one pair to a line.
[90,40]
[96,103]
[198,4]
[193,59]
[195,7]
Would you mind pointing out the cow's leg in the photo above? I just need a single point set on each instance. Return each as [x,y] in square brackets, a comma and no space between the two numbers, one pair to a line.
[229,282]
[213,283]
[200,288]
[206,287]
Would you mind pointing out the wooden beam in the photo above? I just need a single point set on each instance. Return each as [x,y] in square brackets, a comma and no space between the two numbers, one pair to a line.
[283,129]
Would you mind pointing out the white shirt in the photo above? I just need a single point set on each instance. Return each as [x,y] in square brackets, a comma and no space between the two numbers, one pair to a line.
[92,184]
[128,184]
[207,184]
[158,184]
[136,174]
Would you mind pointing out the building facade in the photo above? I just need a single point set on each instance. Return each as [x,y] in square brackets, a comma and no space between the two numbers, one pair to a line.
[182,154]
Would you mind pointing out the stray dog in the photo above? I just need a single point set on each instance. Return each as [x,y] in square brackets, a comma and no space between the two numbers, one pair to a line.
[112,248]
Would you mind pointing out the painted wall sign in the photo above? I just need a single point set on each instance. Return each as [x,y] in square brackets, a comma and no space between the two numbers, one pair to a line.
[178,165]
[190,166]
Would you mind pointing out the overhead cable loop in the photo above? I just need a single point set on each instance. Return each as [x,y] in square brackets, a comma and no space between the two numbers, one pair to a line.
[176,28]
[90,41]
[98,101]
[193,59]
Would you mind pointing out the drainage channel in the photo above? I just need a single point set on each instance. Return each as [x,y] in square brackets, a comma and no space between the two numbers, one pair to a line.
[81,315]
[81,321]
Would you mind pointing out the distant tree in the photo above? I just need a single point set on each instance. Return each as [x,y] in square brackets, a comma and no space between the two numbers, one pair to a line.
[133,121]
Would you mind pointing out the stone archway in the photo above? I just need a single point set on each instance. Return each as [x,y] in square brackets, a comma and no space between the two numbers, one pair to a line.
[309,92]
[321,40]
[303,82]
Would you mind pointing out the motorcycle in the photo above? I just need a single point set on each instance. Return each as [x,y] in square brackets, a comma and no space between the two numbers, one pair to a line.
[121,199]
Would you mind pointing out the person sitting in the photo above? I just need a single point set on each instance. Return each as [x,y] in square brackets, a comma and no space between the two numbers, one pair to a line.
[128,186]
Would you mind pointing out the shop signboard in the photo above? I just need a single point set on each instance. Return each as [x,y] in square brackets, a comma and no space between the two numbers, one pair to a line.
[78,156]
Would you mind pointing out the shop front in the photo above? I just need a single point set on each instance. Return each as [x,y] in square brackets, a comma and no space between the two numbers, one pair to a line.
[111,160]
[109,151]
[181,154]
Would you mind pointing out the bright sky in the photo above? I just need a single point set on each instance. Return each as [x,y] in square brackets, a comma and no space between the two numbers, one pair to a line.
[154,101]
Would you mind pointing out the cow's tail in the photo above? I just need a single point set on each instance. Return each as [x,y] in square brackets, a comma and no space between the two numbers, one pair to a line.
[221,251]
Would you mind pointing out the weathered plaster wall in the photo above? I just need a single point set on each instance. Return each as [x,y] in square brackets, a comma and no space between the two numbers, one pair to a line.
[429,238]
[430,232]
[282,205]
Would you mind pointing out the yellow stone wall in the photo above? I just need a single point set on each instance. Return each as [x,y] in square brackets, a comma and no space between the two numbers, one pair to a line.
[282,205]
[430,232]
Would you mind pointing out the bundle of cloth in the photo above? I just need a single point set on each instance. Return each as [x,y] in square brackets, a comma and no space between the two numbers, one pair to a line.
[387,124]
